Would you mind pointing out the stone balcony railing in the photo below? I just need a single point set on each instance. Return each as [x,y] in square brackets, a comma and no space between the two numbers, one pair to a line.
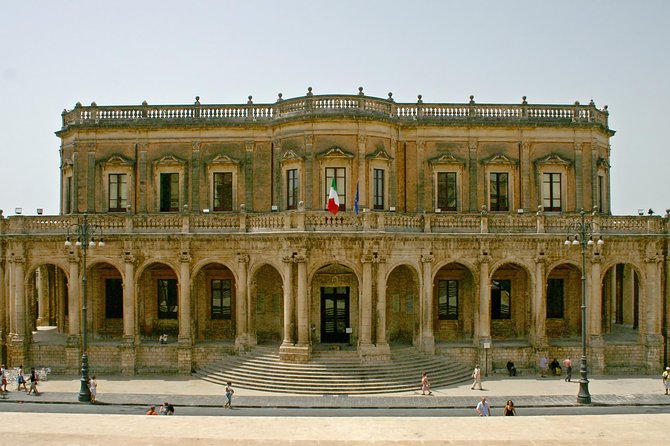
[328,105]
[324,222]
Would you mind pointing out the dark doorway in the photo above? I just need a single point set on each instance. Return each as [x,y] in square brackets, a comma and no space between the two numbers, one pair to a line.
[334,314]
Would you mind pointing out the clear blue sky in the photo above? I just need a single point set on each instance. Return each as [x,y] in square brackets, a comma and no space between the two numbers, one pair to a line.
[53,54]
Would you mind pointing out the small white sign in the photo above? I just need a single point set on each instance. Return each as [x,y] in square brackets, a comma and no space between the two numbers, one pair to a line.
[487,345]
[348,330]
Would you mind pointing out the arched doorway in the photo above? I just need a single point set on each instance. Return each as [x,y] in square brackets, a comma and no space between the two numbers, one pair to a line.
[563,302]
[510,303]
[335,307]
[267,302]
[454,303]
[402,306]
[621,301]
[105,301]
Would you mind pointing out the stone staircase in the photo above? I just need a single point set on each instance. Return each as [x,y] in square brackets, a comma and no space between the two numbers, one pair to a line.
[334,372]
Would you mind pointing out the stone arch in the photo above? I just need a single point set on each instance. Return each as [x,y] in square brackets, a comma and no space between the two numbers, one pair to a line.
[510,304]
[563,300]
[104,291]
[200,264]
[455,302]
[622,295]
[214,299]
[335,304]
[47,296]
[403,314]
[266,304]
[158,299]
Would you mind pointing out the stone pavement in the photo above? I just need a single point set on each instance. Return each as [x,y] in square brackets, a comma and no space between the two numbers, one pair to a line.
[42,429]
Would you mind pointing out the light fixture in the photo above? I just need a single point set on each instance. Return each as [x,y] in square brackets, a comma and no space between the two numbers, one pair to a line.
[40,211]
[18,211]
[68,243]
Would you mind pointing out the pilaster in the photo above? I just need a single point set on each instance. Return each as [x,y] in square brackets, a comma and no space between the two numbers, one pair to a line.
[249,174]
[427,342]
[241,302]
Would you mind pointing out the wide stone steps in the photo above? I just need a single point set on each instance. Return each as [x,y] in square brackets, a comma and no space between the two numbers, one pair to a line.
[329,372]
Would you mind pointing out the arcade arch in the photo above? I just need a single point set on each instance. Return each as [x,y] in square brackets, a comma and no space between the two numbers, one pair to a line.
[403,313]
[454,303]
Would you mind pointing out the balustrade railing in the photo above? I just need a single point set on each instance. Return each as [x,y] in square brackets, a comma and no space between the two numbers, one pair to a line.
[568,114]
[323,221]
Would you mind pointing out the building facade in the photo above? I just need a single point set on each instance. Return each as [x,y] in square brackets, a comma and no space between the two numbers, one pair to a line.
[450,237]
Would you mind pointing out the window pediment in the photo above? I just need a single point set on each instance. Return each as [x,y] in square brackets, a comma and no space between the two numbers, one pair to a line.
[117,161]
[169,160]
[290,155]
[335,152]
[380,155]
[553,160]
[223,160]
[602,162]
[499,159]
[445,159]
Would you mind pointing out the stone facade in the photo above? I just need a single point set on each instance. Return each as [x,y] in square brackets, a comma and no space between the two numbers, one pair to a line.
[216,233]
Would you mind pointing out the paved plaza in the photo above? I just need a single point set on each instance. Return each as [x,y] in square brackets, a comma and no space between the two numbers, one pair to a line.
[79,429]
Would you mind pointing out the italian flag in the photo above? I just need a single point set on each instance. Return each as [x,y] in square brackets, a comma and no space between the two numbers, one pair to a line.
[333,199]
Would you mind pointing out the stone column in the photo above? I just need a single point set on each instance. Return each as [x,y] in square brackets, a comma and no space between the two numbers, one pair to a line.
[129,328]
[540,304]
[484,325]
[18,342]
[289,323]
[653,340]
[365,312]
[595,310]
[362,175]
[241,302]
[142,178]
[184,351]
[426,304]
[380,337]
[73,301]
[303,302]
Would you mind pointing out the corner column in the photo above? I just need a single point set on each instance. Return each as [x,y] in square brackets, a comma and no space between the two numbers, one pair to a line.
[653,339]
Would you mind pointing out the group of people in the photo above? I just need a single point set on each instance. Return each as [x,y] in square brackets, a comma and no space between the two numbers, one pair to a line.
[20,380]
[483,408]
[168,409]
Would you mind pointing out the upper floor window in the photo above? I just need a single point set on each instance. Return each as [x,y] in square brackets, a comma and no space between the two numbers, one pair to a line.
[501,299]
[169,192]
[499,191]
[221,298]
[292,189]
[447,299]
[551,192]
[446,191]
[378,189]
[167,299]
[339,173]
[118,192]
[223,191]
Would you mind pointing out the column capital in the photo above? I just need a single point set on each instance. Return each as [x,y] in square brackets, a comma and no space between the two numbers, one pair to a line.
[17,258]
[242,258]
[72,257]
[484,258]
[540,258]
[309,139]
[249,144]
[128,257]
[195,145]
[185,257]
[367,258]
[653,259]
[301,258]
[427,258]
[362,137]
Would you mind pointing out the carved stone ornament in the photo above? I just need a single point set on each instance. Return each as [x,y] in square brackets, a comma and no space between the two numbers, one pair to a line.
[380,155]
[290,155]
[222,160]
[170,160]
[445,159]
[335,152]
[117,160]
[499,159]
[602,162]
[553,160]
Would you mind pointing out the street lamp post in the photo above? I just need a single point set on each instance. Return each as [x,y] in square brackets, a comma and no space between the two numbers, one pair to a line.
[582,233]
[85,235]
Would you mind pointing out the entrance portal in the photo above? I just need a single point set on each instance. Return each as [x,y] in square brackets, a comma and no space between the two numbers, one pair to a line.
[334,314]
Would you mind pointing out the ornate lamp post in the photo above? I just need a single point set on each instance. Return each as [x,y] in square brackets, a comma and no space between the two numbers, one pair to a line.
[85,235]
[582,233]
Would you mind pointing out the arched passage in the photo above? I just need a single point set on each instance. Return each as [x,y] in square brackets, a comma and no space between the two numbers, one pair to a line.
[563,301]
[267,303]
[105,301]
[402,305]
[47,302]
[621,300]
[158,296]
[510,303]
[454,303]
[214,301]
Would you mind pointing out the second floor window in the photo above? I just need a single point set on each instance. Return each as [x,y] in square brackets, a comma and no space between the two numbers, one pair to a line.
[499,191]
[169,198]
[551,192]
[292,190]
[339,173]
[446,191]
[378,189]
[223,191]
[118,192]
[221,299]
[167,299]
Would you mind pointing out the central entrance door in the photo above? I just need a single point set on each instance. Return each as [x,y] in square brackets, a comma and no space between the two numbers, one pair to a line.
[334,314]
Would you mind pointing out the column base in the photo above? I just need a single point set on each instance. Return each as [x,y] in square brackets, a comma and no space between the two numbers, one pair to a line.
[185,359]
[427,345]
[374,352]
[128,356]
[597,355]
[297,353]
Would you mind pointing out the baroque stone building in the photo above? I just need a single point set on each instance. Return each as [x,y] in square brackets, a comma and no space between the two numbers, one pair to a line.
[450,237]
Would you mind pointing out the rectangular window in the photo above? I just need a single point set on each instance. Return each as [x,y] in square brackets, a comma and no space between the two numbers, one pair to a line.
[499,190]
[118,192]
[551,192]
[292,189]
[599,193]
[223,191]
[446,191]
[501,299]
[339,173]
[447,299]
[169,192]
[378,189]
[68,195]
[555,299]
[167,299]
[114,298]
[221,299]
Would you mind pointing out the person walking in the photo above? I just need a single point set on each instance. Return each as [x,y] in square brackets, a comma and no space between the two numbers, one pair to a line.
[3,376]
[477,376]
[33,382]
[483,409]
[567,363]
[229,395]
[93,387]
[425,384]
[21,380]
[509,410]
[666,380]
